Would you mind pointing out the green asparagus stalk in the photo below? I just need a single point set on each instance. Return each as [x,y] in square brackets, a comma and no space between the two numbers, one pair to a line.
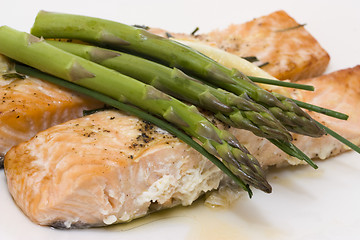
[137,112]
[135,67]
[120,36]
[175,83]
[35,52]
[178,84]
[240,111]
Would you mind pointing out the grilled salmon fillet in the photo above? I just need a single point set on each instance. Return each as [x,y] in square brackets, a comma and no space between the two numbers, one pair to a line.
[288,49]
[31,105]
[339,91]
[110,167]
[104,168]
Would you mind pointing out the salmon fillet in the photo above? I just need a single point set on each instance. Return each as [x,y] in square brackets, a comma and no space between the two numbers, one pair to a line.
[104,168]
[31,105]
[291,52]
[329,93]
[109,167]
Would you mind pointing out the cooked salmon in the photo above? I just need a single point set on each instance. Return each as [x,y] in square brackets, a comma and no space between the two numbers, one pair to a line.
[289,51]
[110,167]
[104,168]
[339,91]
[31,105]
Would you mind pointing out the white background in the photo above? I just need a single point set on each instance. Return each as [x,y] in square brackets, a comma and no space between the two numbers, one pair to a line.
[305,204]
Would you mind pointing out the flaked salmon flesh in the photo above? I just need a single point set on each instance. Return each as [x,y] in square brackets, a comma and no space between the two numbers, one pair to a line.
[110,167]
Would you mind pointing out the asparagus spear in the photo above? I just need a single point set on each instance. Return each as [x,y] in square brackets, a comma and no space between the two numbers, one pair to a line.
[134,111]
[239,111]
[120,36]
[176,83]
[35,52]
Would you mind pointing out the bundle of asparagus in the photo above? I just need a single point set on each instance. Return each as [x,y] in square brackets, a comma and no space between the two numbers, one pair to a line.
[244,104]
[137,40]
[235,110]
[23,47]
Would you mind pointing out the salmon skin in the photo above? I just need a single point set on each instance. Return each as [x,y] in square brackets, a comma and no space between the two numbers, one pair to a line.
[109,167]
[285,48]
[31,105]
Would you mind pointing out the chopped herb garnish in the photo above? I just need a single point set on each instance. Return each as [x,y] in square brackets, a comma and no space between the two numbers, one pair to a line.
[168,35]
[14,75]
[92,111]
[291,28]
[141,26]
[195,30]
[263,64]
[2,157]
[254,59]
[251,59]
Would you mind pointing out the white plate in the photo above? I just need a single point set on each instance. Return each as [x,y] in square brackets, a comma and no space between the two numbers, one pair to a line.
[305,204]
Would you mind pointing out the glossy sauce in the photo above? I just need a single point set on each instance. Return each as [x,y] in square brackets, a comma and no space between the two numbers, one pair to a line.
[204,223]
[241,221]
